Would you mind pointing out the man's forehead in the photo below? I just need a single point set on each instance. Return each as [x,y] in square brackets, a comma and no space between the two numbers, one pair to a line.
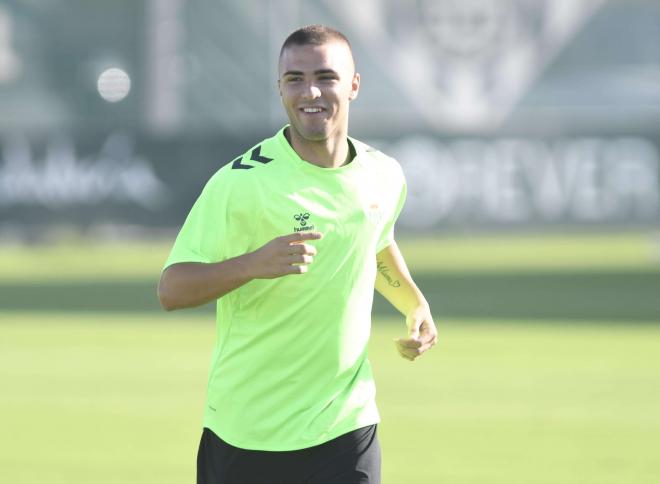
[333,55]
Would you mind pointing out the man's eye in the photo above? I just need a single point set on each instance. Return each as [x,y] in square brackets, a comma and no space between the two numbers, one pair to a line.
[327,78]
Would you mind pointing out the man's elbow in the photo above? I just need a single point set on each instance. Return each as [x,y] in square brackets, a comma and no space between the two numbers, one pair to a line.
[165,301]
[166,297]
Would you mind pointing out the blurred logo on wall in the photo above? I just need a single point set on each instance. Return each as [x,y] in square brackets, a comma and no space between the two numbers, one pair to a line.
[465,64]
[528,181]
[62,178]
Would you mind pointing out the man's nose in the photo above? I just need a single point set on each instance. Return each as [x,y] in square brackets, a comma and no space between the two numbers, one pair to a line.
[311,91]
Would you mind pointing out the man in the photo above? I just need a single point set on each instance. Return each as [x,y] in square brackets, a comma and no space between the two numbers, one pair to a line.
[289,239]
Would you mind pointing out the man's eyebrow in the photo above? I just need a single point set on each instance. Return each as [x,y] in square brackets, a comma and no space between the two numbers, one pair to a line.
[316,72]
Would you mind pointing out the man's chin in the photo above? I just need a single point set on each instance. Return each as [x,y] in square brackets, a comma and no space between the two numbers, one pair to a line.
[316,137]
[312,134]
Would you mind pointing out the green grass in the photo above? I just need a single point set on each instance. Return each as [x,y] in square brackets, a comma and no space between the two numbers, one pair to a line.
[99,398]
[528,385]
[613,296]
[78,261]
[534,252]
[581,276]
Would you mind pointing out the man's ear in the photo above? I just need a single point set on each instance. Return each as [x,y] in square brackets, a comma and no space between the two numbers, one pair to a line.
[355,87]
[279,87]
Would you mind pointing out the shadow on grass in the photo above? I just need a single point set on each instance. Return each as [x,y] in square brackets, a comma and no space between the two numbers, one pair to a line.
[630,296]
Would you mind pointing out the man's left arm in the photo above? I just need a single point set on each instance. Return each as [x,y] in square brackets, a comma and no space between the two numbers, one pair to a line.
[394,282]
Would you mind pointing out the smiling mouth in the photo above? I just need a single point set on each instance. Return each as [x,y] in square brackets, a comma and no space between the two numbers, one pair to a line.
[312,110]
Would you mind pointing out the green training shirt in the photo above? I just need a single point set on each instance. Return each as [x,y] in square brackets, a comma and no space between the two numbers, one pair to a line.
[290,368]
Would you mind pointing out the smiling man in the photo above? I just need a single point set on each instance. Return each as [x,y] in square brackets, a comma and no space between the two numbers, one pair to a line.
[291,238]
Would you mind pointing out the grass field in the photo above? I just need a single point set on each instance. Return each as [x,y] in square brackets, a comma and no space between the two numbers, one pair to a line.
[93,393]
[91,398]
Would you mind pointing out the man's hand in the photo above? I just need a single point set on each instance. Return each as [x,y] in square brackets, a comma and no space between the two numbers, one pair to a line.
[283,255]
[422,334]
[189,284]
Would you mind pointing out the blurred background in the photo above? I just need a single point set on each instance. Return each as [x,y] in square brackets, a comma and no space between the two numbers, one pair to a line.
[529,133]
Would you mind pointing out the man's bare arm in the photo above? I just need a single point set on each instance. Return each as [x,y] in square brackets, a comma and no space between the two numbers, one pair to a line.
[191,284]
[394,282]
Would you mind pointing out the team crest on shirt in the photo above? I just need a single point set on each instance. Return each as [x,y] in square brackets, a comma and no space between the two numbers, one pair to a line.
[374,213]
[303,222]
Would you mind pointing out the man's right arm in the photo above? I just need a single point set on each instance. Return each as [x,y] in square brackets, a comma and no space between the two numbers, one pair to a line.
[190,284]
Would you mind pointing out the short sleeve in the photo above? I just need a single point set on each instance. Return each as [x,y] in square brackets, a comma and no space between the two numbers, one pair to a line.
[201,236]
[387,235]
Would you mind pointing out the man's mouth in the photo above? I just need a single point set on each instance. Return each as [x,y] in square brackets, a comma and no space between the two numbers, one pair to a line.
[312,110]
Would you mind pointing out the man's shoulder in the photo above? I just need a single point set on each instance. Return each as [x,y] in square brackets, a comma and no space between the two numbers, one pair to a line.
[250,164]
[257,156]
[375,158]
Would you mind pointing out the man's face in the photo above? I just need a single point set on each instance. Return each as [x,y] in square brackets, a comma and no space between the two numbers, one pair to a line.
[316,84]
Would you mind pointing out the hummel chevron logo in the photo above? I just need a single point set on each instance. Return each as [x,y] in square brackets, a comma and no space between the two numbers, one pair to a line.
[236,165]
[254,156]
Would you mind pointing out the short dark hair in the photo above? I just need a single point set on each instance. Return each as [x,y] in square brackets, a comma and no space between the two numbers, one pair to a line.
[315,35]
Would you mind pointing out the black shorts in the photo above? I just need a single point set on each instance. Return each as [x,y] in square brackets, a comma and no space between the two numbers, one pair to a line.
[352,458]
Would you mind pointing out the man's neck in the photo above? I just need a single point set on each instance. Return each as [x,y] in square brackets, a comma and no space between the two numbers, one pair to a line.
[329,153]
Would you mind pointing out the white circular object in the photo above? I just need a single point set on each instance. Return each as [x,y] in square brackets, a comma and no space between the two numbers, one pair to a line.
[113,84]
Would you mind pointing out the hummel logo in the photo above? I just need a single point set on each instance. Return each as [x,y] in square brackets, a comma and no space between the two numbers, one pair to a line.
[302,219]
